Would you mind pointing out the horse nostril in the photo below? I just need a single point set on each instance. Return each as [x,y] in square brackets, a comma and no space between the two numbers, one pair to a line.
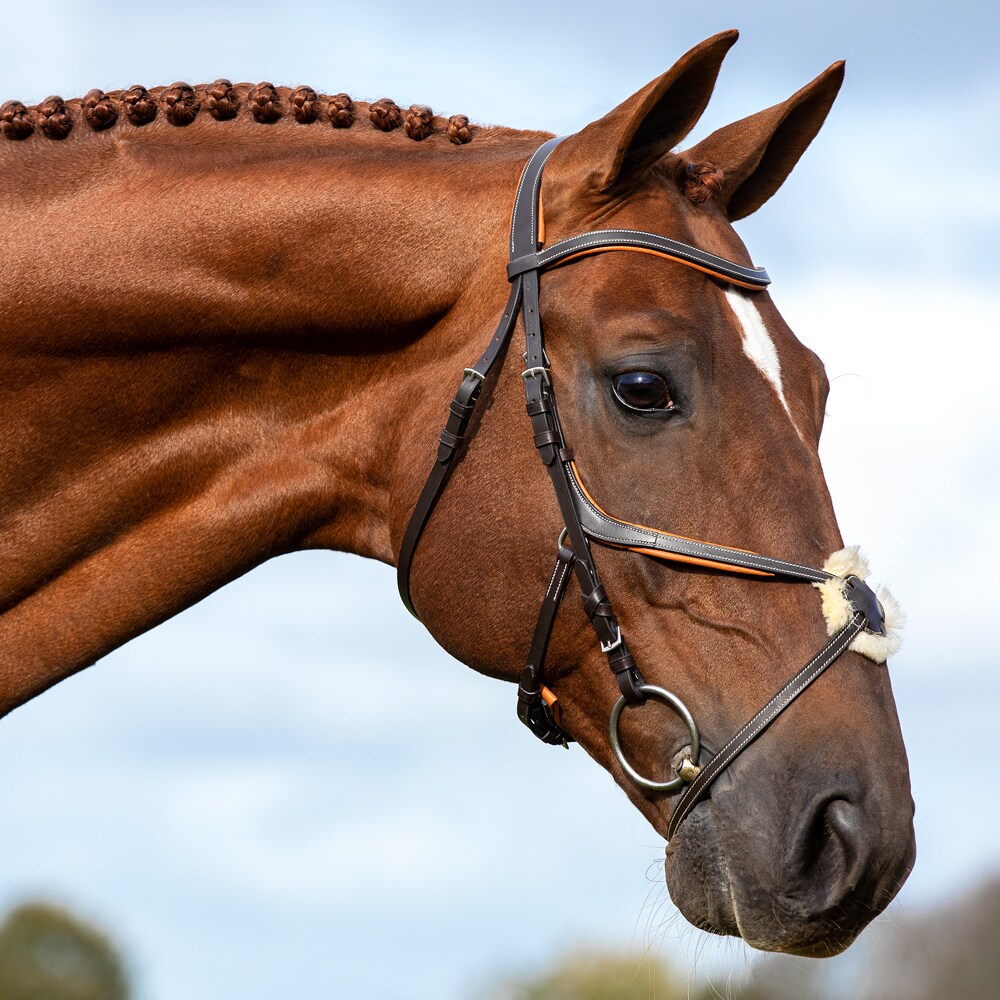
[832,847]
[845,828]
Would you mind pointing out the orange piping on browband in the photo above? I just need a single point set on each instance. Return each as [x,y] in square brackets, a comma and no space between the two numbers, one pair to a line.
[665,256]
[672,556]
[655,253]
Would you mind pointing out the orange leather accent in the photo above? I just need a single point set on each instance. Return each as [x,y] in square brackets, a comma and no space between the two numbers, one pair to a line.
[665,256]
[553,702]
[541,221]
[677,557]
[671,556]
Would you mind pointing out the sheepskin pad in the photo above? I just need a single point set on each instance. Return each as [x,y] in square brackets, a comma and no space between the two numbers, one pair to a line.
[838,612]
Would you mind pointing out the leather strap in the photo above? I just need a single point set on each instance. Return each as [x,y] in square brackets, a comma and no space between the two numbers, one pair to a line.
[524,220]
[532,709]
[608,530]
[754,278]
[749,732]
[524,223]
[548,435]
[460,414]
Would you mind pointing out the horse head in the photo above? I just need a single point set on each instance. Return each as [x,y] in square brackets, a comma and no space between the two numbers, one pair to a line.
[689,406]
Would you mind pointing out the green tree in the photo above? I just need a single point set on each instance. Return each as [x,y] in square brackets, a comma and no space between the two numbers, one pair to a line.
[600,975]
[47,954]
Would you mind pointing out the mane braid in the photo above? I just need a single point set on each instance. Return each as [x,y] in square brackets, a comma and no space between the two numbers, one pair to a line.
[14,121]
[265,105]
[140,108]
[180,104]
[222,102]
[305,104]
[53,118]
[100,110]
[341,111]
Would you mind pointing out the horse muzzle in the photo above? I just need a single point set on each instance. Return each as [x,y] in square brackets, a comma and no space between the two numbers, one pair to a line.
[799,846]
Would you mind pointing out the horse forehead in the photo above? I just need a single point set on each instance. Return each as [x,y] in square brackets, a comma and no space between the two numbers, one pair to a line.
[756,332]
[759,345]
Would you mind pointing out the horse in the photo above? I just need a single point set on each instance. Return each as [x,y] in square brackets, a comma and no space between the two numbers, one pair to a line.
[232,318]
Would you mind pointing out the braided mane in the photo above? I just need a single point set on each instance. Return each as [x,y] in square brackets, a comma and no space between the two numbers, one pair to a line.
[180,104]
[264,104]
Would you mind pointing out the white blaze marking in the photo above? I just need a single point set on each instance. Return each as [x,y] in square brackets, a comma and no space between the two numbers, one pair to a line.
[757,344]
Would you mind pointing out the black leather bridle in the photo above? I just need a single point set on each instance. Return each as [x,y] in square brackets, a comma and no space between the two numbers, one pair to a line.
[585,521]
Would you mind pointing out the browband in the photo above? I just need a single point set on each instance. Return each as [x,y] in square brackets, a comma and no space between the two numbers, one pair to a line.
[754,278]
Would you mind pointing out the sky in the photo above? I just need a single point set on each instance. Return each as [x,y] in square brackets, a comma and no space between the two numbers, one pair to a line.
[221,797]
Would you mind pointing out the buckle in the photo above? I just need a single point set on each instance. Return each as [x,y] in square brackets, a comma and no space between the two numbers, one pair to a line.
[475,374]
[610,647]
[534,372]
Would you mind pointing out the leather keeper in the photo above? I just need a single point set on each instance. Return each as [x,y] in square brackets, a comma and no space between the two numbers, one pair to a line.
[450,440]
[593,602]
[544,438]
[536,407]
[462,410]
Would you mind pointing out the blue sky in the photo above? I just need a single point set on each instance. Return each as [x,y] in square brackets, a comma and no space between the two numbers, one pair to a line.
[218,794]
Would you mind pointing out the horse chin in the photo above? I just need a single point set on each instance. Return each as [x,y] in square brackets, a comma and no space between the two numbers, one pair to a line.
[706,886]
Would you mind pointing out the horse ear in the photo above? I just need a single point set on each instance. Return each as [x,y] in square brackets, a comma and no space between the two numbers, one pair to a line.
[641,129]
[758,153]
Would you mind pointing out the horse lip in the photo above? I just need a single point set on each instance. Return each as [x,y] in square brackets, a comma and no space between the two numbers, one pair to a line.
[697,875]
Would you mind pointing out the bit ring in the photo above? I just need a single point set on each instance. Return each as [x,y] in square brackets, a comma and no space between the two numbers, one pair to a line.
[668,698]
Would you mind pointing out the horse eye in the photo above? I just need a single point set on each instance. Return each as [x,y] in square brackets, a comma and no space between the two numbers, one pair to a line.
[643,391]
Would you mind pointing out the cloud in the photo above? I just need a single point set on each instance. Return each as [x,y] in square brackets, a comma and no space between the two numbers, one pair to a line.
[911,445]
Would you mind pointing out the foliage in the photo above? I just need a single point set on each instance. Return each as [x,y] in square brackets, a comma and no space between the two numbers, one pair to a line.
[47,954]
[600,975]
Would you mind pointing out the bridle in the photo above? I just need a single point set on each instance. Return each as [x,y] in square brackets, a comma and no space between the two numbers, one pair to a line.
[585,521]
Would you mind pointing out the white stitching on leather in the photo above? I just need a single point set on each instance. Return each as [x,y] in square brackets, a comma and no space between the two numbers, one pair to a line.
[552,579]
[725,756]
[517,197]
[723,265]
[683,546]
[517,201]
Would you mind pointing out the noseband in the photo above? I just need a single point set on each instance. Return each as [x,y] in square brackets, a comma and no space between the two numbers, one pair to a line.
[586,522]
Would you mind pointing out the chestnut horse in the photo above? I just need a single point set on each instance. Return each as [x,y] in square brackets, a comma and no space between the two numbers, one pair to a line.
[231,320]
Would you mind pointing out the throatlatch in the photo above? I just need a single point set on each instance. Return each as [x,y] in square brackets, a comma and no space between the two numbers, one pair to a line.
[847,599]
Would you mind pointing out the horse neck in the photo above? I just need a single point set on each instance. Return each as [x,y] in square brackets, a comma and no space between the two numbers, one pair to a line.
[212,355]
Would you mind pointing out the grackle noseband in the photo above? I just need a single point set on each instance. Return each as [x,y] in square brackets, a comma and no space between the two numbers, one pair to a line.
[585,521]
